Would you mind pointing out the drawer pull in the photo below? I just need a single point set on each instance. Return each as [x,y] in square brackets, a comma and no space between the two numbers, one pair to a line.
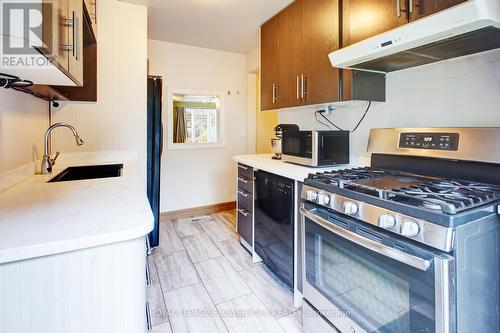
[243,180]
[243,194]
[245,214]
[242,167]
[149,323]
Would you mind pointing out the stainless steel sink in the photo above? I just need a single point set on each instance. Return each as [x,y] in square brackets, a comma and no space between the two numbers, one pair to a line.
[88,172]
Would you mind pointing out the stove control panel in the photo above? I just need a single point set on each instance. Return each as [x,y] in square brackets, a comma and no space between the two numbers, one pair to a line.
[436,141]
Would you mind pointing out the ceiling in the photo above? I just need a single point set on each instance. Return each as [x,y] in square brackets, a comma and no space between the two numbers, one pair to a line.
[230,25]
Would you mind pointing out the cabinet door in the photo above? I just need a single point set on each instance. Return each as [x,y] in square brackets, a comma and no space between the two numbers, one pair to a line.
[91,6]
[422,8]
[63,34]
[291,55]
[320,38]
[75,12]
[366,18]
[269,58]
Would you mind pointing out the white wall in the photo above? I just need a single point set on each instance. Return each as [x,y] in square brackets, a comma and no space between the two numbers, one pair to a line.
[118,120]
[461,92]
[193,178]
[23,121]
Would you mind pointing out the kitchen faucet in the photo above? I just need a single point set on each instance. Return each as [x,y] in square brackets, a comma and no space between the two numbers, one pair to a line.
[47,161]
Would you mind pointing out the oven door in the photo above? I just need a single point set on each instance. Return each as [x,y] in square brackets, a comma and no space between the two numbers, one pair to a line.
[361,281]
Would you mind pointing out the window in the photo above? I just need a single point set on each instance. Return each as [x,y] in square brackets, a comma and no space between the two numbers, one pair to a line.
[201,125]
[195,120]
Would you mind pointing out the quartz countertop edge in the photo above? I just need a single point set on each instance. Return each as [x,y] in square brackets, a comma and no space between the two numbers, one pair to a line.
[40,219]
[293,171]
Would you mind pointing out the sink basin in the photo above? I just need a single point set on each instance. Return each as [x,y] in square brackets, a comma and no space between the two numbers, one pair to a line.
[88,172]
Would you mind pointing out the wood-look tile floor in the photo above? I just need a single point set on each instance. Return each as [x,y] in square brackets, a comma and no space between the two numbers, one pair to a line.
[203,281]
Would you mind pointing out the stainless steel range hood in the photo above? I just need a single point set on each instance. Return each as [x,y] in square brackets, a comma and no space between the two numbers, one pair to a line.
[467,28]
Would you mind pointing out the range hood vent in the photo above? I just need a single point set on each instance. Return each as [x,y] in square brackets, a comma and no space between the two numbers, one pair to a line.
[468,28]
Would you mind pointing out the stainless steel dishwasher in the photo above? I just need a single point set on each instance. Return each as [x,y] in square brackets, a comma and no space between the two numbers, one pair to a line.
[274,229]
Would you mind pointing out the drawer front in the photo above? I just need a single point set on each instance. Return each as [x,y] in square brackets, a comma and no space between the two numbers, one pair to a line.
[245,224]
[245,183]
[245,199]
[245,171]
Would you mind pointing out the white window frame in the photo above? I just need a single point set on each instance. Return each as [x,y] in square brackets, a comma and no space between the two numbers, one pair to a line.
[171,145]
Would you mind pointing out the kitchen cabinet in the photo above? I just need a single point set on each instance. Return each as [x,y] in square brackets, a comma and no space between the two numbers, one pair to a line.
[291,55]
[245,206]
[308,32]
[77,291]
[362,19]
[269,64]
[91,6]
[62,37]
[422,8]
[320,31]
[295,68]
[69,40]
[88,91]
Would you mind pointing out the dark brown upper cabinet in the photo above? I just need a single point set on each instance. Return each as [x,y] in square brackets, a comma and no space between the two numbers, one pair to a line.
[269,66]
[291,55]
[295,68]
[362,19]
[422,8]
[321,36]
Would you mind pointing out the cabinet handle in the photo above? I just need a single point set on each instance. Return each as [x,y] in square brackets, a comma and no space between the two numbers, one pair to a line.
[411,6]
[275,88]
[298,88]
[303,91]
[243,180]
[149,323]
[398,8]
[242,167]
[245,214]
[243,194]
[74,48]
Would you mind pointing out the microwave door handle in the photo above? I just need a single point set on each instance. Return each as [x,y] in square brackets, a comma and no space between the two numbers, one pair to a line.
[369,244]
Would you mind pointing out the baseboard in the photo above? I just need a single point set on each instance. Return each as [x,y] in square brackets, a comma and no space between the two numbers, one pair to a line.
[197,211]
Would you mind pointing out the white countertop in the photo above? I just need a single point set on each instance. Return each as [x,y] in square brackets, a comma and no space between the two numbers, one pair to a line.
[289,170]
[39,218]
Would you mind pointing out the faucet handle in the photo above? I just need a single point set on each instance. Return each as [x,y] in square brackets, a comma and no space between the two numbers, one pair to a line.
[53,160]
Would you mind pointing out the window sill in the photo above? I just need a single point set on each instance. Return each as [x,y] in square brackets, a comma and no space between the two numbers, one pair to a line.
[194,146]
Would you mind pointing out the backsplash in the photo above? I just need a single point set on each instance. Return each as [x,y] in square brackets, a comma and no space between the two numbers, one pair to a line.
[457,93]
[23,121]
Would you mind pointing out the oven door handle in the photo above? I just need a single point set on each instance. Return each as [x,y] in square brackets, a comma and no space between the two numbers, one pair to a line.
[369,244]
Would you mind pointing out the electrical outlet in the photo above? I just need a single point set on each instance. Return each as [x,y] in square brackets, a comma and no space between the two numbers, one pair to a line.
[328,110]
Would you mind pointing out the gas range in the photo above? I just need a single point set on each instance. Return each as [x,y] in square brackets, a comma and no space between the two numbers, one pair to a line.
[410,244]
[418,203]
[449,196]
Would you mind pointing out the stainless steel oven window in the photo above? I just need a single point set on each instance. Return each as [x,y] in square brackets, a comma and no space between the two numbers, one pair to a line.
[378,293]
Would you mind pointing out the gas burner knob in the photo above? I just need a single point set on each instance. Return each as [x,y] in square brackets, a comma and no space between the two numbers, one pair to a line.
[311,195]
[409,229]
[386,221]
[323,199]
[350,208]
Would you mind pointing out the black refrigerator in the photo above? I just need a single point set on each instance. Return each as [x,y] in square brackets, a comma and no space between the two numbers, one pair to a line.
[154,151]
